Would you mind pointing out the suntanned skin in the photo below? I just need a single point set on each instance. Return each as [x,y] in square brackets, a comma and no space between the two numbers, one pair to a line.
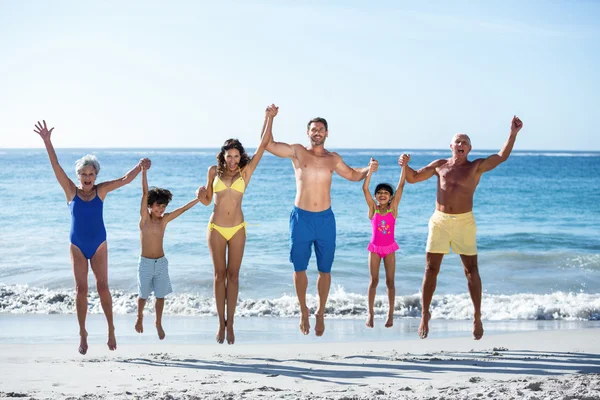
[458,178]
[227,255]
[314,167]
[87,190]
[153,221]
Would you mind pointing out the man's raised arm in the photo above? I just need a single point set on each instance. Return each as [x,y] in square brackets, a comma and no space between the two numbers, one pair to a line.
[488,164]
[280,149]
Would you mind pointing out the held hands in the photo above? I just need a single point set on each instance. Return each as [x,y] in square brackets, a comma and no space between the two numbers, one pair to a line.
[515,125]
[403,160]
[373,165]
[145,164]
[272,111]
[201,192]
[43,131]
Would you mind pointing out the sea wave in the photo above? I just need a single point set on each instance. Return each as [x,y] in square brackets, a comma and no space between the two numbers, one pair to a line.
[23,299]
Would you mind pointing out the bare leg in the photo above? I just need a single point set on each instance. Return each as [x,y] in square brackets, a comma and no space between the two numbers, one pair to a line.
[301,284]
[100,268]
[474,283]
[389,262]
[234,262]
[80,274]
[159,307]
[374,263]
[139,323]
[432,268]
[217,246]
[323,285]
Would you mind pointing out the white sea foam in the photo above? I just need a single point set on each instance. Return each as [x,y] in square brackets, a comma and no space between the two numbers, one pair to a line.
[22,299]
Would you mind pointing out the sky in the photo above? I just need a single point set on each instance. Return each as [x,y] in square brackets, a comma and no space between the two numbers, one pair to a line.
[385,74]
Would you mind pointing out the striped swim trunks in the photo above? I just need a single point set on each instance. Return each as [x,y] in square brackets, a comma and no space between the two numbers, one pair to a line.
[153,276]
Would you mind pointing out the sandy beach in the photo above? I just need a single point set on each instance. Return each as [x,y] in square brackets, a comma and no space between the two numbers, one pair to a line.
[558,364]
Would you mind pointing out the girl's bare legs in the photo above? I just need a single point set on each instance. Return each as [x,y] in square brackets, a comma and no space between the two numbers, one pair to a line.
[389,262]
[374,262]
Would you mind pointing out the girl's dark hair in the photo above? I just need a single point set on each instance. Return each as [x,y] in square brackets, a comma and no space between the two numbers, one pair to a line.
[158,195]
[228,145]
[385,186]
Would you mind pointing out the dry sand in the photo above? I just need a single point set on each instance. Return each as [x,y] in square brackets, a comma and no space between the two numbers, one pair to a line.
[561,364]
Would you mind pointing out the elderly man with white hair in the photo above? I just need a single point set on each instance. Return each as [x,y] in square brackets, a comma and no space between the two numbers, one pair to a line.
[452,225]
[88,235]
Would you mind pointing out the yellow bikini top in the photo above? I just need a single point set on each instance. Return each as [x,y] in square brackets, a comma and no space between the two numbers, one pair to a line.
[238,185]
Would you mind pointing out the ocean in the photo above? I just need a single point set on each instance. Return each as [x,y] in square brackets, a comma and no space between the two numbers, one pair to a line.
[537,217]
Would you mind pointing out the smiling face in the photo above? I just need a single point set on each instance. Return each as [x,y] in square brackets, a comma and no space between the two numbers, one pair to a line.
[232,159]
[157,210]
[383,196]
[460,145]
[87,177]
[317,133]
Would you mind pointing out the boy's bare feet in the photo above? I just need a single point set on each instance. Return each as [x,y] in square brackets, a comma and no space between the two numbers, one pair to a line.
[319,324]
[424,327]
[390,321]
[230,334]
[83,345]
[304,322]
[112,340]
[139,324]
[369,322]
[160,331]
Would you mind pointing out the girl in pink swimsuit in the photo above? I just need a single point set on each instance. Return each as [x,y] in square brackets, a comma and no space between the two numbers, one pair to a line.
[383,211]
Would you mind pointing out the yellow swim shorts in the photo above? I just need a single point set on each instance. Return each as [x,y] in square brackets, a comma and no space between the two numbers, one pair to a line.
[452,230]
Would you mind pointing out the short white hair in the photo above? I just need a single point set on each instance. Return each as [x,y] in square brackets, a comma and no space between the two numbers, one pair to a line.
[85,161]
[461,134]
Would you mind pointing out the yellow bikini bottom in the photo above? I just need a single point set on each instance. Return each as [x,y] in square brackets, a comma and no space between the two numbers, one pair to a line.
[227,232]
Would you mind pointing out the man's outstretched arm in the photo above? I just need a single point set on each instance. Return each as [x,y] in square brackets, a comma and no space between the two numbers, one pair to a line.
[353,174]
[422,174]
[488,164]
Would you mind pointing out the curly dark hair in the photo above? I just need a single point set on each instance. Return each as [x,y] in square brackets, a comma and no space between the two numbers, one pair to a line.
[158,195]
[228,145]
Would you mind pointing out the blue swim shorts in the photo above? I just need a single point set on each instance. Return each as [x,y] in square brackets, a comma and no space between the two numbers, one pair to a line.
[153,275]
[308,228]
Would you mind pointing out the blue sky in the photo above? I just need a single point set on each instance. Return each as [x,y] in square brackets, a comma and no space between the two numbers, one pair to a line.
[388,74]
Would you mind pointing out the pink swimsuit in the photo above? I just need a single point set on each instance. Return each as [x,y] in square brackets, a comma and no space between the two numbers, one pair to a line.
[383,243]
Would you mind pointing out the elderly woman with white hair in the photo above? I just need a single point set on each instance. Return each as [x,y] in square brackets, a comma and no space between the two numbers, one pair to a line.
[88,235]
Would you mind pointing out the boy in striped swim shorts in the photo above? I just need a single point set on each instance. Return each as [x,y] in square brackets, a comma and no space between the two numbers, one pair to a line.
[153,267]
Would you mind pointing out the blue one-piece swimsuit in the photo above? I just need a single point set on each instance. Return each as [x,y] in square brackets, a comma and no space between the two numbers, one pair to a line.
[87,224]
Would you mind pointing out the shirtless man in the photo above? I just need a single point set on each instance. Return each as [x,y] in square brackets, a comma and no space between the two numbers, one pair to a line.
[452,223]
[311,220]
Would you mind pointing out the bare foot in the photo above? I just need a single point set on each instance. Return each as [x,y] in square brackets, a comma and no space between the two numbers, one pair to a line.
[139,326]
[83,346]
[112,340]
[390,321]
[369,322]
[424,327]
[304,322]
[221,334]
[160,331]
[477,328]
[230,334]
[320,324]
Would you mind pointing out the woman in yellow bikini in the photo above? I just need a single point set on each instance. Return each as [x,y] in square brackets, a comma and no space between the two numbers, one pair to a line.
[226,234]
